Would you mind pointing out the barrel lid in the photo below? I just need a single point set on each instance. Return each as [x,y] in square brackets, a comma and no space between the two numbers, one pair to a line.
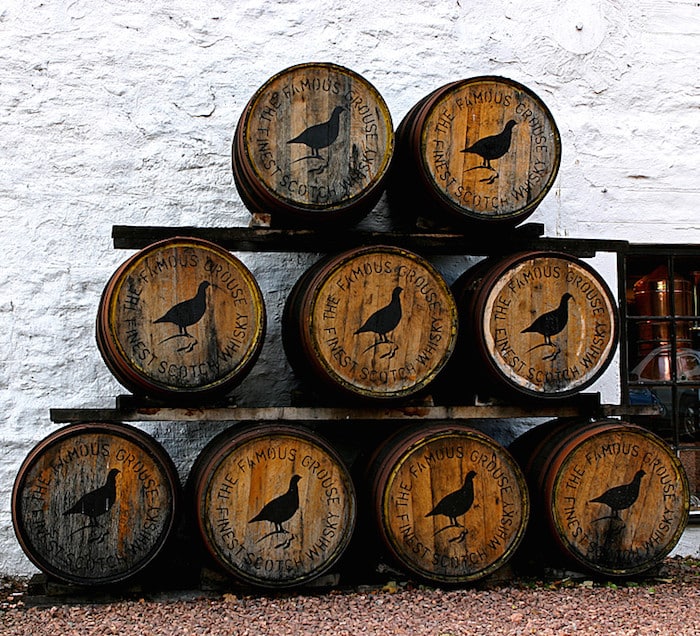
[617,498]
[549,323]
[316,138]
[275,504]
[181,317]
[453,504]
[379,322]
[489,149]
[66,520]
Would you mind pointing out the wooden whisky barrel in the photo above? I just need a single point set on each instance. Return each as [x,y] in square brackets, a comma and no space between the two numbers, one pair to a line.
[313,146]
[450,504]
[376,323]
[94,504]
[534,325]
[181,319]
[481,152]
[274,504]
[613,497]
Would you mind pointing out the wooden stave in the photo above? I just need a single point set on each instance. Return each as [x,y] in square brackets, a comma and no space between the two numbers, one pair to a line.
[138,383]
[215,452]
[253,200]
[410,203]
[385,462]
[411,160]
[298,340]
[292,342]
[261,199]
[132,435]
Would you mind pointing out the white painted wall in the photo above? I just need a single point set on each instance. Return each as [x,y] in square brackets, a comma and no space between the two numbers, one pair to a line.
[123,113]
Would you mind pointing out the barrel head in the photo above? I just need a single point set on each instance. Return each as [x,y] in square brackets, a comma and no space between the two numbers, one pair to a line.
[182,318]
[313,145]
[452,504]
[275,506]
[617,498]
[94,504]
[375,323]
[545,324]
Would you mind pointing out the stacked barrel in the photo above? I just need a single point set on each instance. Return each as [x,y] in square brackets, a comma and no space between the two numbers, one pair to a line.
[182,319]
[537,325]
[480,153]
[274,504]
[183,322]
[95,504]
[374,323]
[449,502]
[313,147]
[609,497]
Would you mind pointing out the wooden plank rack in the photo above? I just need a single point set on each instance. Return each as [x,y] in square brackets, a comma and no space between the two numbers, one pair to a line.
[270,239]
[134,409]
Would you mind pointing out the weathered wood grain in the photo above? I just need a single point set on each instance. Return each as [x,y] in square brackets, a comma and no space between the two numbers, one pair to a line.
[540,324]
[274,504]
[613,496]
[313,146]
[376,322]
[451,504]
[181,318]
[484,150]
[94,504]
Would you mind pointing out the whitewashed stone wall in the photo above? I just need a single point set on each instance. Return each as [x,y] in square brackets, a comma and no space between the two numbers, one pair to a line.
[123,113]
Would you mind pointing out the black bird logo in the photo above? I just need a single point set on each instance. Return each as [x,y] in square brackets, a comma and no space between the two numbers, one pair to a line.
[550,324]
[456,504]
[383,321]
[96,503]
[319,136]
[279,510]
[491,148]
[620,497]
[185,314]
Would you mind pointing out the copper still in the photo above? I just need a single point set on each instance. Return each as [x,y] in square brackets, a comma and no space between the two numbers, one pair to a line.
[653,296]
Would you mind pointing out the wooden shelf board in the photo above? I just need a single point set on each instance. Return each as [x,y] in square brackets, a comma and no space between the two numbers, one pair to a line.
[337,414]
[527,236]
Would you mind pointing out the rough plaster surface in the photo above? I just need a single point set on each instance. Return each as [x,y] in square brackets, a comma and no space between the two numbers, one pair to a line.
[123,113]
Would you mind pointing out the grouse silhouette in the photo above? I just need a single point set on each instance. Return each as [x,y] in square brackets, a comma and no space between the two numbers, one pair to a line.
[320,135]
[456,503]
[551,323]
[620,497]
[280,509]
[384,320]
[96,502]
[492,147]
[187,313]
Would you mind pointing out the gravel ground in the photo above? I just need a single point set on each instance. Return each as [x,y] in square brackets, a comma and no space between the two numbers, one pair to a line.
[668,603]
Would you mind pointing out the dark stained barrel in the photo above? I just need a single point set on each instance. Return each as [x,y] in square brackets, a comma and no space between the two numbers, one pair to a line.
[450,504]
[313,146]
[538,325]
[94,504]
[274,504]
[376,323]
[612,496]
[477,153]
[182,319]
